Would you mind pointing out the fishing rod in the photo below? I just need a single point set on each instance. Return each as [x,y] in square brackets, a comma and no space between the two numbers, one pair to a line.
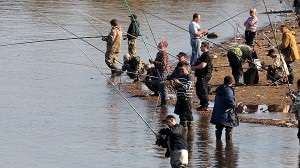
[95,65]
[50,40]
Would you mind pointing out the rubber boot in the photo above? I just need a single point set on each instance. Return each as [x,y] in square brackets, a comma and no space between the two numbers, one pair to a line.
[164,103]
[228,136]
[218,134]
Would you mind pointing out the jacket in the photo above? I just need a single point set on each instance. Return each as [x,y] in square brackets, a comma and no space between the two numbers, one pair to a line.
[224,111]
[175,137]
[288,38]
[133,30]
[114,39]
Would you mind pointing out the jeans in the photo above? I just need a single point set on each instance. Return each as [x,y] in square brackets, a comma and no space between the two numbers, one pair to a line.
[290,66]
[161,87]
[196,52]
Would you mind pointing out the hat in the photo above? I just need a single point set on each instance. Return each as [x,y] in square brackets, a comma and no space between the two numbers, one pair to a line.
[133,15]
[270,52]
[169,117]
[181,54]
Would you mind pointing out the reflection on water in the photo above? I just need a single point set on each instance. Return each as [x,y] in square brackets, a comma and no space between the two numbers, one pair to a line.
[56,113]
[226,156]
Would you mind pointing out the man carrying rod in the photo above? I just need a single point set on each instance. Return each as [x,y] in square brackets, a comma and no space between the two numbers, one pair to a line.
[113,46]
[196,33]
[174,139]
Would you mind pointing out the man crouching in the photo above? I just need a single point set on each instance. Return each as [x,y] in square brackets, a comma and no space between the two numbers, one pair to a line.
[174,139]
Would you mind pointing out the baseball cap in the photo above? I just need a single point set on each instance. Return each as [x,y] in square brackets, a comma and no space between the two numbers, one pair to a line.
[181,54]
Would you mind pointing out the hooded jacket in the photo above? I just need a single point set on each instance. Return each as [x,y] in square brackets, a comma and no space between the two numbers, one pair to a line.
[224,111]
[288,38]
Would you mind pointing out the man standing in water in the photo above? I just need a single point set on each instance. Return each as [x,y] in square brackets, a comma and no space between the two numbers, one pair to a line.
[132,34]
[174,141]
[196,33]
[113,46]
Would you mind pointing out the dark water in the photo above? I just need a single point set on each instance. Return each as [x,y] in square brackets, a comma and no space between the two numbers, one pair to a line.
[57,110]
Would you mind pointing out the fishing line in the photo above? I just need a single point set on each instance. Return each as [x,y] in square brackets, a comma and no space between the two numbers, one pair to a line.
[275,38]
[90,23]
[129,34]
[148,23]
[95,65]
[49,40]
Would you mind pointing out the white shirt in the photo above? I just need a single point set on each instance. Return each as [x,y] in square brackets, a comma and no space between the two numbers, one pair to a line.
[193,29]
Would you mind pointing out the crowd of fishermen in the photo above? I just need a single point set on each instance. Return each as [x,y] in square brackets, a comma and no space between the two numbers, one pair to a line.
[158,79]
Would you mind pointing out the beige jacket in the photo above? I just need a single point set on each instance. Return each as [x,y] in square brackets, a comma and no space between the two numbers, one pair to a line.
[114,39]
[288,38]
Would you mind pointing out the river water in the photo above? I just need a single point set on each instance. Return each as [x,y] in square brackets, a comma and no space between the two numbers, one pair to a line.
[58,110]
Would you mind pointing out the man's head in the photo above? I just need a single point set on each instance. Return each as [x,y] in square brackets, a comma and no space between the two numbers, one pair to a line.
[126,57]
[271,53]
[132,17]
[114,22]
[204,46]
[182,57]
[170,120]
[184,69]
[196,17]
[163,45]
[228,80]
[283,28]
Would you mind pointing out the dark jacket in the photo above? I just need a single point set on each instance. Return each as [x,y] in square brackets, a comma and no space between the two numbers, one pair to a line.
[133,30]
[224,111]
[175,136]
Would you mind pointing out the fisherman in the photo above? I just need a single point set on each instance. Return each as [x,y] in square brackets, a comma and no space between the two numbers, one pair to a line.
[161,64]
[289,41]
[203,71]
[132,34]
[174,139]
[196,33]
[133,65]
[224,113]
[277,71]
[151,79]
[251,74]
[295,96]
[184,93]
[113,46]
[251,25]
[236,57]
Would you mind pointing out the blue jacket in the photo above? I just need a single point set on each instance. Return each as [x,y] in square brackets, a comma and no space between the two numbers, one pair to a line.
[224,111]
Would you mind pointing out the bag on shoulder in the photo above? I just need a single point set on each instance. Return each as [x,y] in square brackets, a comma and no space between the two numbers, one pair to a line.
[287,51]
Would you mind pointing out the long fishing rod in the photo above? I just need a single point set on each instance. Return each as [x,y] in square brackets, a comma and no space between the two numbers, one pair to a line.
[50,40]
[130,35]
[66,30]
